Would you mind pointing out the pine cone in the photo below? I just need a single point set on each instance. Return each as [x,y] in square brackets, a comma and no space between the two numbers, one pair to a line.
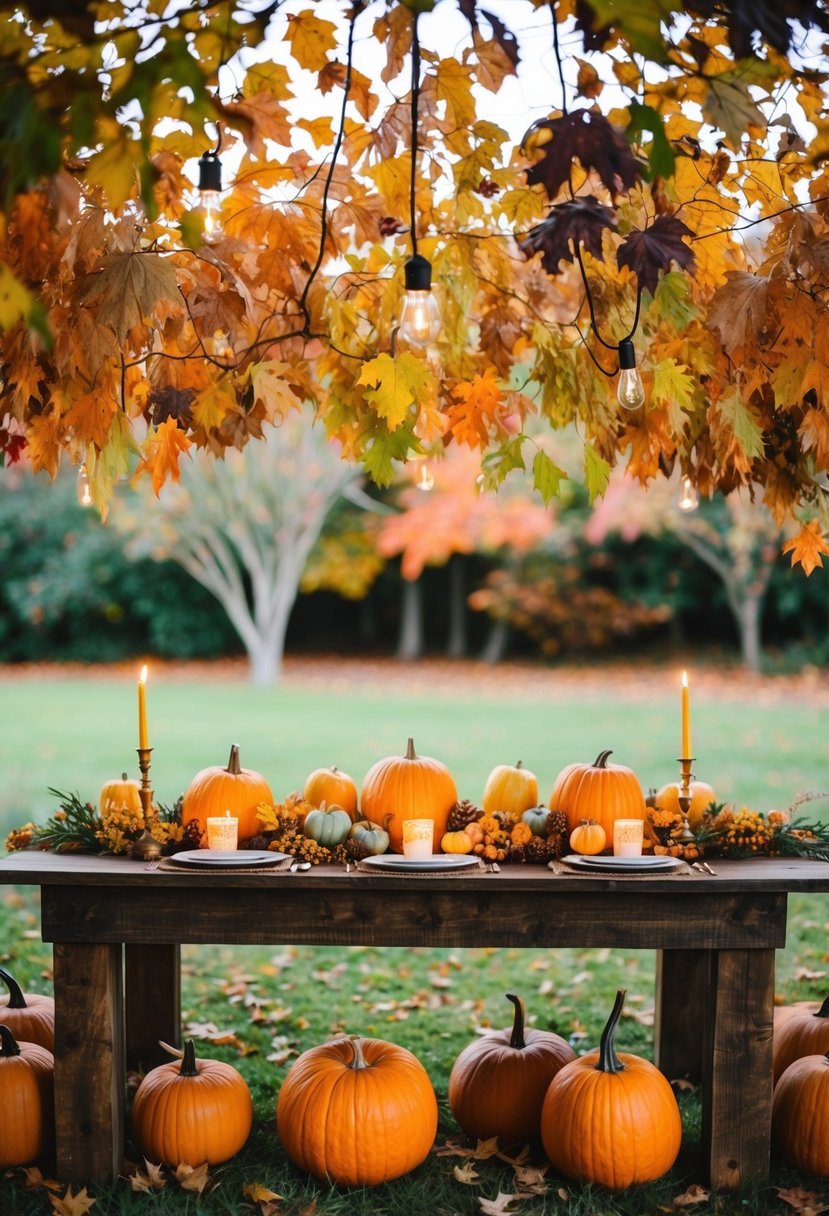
[353,850]
[557,824]
[257,842]
[461,814]
[536,851]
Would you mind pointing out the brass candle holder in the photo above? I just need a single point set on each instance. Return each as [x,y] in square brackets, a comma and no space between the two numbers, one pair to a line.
[686,778]
[146,847]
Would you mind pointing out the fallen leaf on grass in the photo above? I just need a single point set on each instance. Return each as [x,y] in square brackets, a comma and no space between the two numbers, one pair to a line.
[804,973]
[681,1084]
[153,1180]
[807,1203]
[482,1151]
[72,1205]
[453,1148]
[259,1194]
[32,1179]
[466,1173]
[562,1194]
[694,1194]
[530,1179]
[500,1206]
[190,1179]
[209,1032]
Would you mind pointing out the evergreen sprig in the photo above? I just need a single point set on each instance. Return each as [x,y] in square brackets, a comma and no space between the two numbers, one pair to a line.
[73,827]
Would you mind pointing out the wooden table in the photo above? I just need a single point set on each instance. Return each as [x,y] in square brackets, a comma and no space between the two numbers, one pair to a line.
[117,930]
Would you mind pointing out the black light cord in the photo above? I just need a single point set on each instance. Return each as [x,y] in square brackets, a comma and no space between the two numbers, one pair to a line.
[415,107]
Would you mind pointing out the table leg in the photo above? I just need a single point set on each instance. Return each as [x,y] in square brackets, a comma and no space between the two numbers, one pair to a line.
[152,976]
[681,988]
[89,1062]
[737,1067]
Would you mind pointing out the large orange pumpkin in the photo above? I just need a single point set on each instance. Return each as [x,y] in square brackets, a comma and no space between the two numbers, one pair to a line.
[611,1119]
[601,791]
[27,1107]
[333,787]
[667,799]
[28,1015]
[408,787]
[511,788]
[801,1034]
[498,1083]
[800,1115]
[357,1112]
[192,1111]
[216,790]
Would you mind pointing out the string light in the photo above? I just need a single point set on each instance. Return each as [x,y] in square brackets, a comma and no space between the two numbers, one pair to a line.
[630,391]
[688,499]
[210,192]
[83,490]
[425,477]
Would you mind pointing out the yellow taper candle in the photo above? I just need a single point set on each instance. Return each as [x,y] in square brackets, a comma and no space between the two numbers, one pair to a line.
[686,718]
[143,734]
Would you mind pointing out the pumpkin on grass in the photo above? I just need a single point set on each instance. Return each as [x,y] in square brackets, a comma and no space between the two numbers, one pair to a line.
[498,1083]
[801,1034]
[601,791]
[408,787]
[216,790]
[333,787]
[28,1015]
[611,1119]
[27,1104]
[800,1115]
[357,1112]
[511,788]
[191,1111]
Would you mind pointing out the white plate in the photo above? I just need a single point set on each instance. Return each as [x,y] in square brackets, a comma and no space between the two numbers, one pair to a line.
[620,864]
[228,857]
[438,861]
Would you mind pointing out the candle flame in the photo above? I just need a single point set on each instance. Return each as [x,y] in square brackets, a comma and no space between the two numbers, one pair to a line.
[143,676]
[685,679]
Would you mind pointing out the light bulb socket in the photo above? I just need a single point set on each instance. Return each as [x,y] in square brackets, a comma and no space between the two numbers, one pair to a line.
[210,172]
[627,355]
[417,273]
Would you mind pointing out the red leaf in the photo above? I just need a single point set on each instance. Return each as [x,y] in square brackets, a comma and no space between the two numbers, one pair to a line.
[647,252]
[569,225]
[588,137]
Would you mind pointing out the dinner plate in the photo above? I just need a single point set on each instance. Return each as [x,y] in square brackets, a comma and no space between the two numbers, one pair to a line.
[620,864]
[223,858]
[438,861]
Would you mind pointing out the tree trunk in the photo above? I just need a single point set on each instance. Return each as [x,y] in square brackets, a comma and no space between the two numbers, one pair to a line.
[495,648]
[748,616]
[410,639]
[456,643]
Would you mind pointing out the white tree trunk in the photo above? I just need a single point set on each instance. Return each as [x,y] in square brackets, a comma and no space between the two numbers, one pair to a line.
[456,643]
[410,638]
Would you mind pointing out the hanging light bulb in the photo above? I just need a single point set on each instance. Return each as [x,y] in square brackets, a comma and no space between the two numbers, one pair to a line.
[419,316]
[688,499]
[83,489]
[630,391]
[425,477]
[210,193]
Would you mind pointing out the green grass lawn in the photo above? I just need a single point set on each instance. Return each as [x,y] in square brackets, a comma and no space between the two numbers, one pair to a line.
[73,733]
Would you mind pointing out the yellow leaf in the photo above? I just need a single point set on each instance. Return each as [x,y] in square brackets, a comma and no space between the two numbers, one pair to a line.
[190,1179]
[15,299]
[808,547]
[393,386]
[319,129]
[453,85]
[259,1194]
[271,388]
[72,1205]
[311,39]
[115,167]
[213,405]
[163,450]
[466,1173]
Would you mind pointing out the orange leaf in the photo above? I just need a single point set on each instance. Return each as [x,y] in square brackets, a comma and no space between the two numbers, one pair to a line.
[190,1179]
[72,1205]
[164,450]
[806,548]
[477,410]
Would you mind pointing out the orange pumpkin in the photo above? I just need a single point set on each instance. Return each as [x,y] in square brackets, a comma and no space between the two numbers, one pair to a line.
[456,842]
[510,788]
[588,838]
[216,790]
[475,832]
[333,787]
[800,1115]
[27,1106]
[801,1034]
[498,1083]
[601,791]
[667,799]
[121,796]
[28,1015]
[357,1112]
[408,787]
[192,1111]
[611,1119]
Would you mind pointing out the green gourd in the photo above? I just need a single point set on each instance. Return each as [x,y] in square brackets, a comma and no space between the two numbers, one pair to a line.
[328,825]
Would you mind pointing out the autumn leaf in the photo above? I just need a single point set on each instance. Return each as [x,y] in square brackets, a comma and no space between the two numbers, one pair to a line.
[596,472]
[501,1205]
[190,1179]
[128,286]
[475,412]
[806,1203]
[163,450]
[694,1194]
[272,388]
[312,39]
[383,447]
[71,1204]
[674,387]
[650,250]
[737,425]
[588,137]
[259,1194]
[661,158]
[729,106]
[393,385]
[465,1173]
[547,477]
[738,309]
[808,547]
[568,226]
[153,1179]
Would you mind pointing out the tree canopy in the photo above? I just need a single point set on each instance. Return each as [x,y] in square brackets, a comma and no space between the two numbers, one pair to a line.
[675,194]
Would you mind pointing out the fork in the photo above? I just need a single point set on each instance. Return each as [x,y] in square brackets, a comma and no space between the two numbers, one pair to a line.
[154,864]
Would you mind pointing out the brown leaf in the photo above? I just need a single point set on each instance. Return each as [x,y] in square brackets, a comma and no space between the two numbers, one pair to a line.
[808,1203]
[585,136]
[650,250]
[258,1193]
[128,286]
[190,1179]
[569,225]
[738,310]
[466,1173]
[694,1194]
[486,1149]
[530,1179]
[72,1205]
[500,1206]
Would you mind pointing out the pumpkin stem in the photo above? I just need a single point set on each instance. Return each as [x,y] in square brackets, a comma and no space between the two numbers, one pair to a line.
[124,777]
[16,998]
[517,1036]
[233,765]
[188,1060]
[8,1043]
[823,1012]
[608,1060]
[601,759]
[519,763]
[411,754]
[358,1060]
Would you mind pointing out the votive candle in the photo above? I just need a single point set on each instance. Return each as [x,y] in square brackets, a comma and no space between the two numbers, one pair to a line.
[223,832]
[418,839]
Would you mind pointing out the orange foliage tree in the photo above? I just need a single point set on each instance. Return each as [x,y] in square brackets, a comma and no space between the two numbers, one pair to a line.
[684,204]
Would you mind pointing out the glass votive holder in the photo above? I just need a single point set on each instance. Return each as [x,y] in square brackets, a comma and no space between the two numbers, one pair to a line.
[223,832]
[418,838]
[627,837]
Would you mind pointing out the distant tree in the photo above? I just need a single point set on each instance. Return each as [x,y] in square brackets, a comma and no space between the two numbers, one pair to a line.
[244,526]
